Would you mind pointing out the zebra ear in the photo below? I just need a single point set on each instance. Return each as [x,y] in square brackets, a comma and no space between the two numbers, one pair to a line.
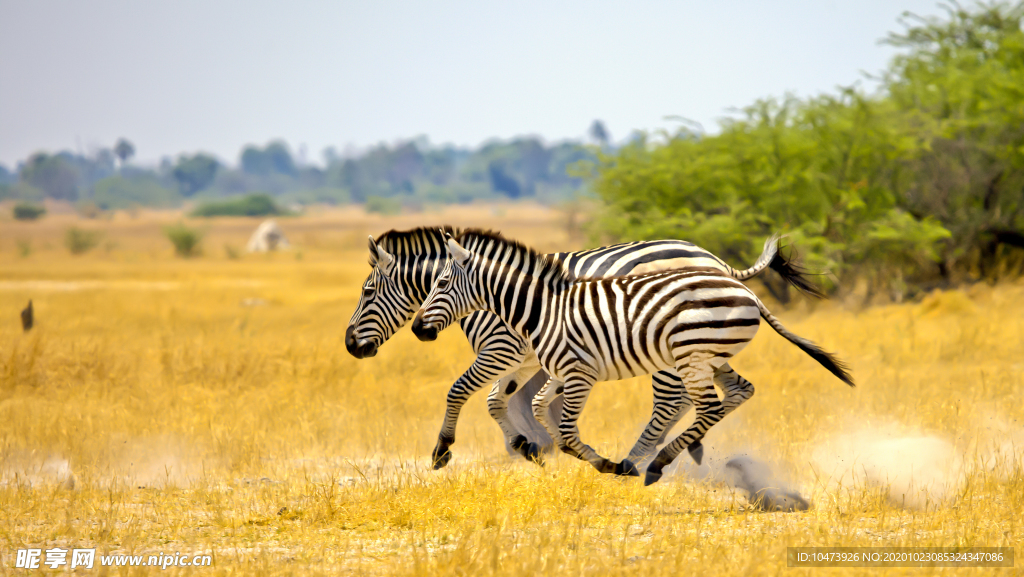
[459,254]
[381,257]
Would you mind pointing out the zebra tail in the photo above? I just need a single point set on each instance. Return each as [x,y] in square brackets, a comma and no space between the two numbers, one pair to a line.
[824,358]
[768,256]
[772,257]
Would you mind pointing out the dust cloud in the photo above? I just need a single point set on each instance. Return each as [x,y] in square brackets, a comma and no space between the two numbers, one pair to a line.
[914,469]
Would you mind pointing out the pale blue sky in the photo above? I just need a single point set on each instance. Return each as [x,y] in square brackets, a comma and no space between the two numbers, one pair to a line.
[181,76]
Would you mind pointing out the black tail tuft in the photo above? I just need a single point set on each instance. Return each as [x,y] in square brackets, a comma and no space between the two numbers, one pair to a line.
[827,360]
[795,275]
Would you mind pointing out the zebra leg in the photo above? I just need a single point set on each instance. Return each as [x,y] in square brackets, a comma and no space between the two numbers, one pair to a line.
[697,371]
[497,406]
[520,412]
[487,368]
[671,402]
[737,389]
[541,409]
[668,388]
[577,391]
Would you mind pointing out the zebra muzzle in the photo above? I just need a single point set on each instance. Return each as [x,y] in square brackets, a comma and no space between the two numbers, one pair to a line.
[423,331]
[359,349]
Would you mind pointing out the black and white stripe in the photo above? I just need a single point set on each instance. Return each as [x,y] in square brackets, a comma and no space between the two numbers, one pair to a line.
[404,265]
[689,321]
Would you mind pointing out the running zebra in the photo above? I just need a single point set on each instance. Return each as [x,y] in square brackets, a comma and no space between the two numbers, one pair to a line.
[404,267]
[691,321]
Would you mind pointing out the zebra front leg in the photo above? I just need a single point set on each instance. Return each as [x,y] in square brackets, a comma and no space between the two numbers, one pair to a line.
[520,412]
[498,407]
[487,368]
[577,391]
[671,402]
[697,374]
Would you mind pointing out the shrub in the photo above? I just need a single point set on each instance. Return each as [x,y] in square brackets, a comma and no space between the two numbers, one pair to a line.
[249,205]
[186,240]
[80,241]
[381,205]
[232,252]
[28,211]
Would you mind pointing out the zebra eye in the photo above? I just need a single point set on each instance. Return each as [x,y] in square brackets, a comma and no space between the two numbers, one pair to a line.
[442,283]
[368,291]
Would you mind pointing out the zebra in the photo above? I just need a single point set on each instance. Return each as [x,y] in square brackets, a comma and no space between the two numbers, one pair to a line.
[404,265]
[691,321]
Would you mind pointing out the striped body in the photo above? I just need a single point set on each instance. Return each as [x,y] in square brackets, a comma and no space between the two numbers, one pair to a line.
[689,322]
[638,325]
[405,265]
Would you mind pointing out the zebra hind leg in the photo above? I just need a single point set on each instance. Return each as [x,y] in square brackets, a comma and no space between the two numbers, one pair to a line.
[671,402]
[737,389]
[698,376]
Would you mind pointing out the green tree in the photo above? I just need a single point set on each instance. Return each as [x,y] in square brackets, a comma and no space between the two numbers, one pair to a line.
[194,173]
[961,78]
[56,175]
[124,150]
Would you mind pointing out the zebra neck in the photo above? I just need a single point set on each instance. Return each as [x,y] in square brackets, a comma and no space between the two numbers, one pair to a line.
[418,273]
[520,299]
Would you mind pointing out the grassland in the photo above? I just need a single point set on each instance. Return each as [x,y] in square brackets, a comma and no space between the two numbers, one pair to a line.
[208,405]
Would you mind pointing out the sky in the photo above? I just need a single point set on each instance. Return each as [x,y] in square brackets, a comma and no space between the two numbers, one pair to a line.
[185,76]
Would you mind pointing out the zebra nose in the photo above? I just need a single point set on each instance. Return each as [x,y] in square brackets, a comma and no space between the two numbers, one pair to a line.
[359,349]
[350,340]
[423,332]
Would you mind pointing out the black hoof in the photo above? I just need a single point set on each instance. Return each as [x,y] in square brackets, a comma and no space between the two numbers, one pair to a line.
[626,469]
[697,452]
[653,474]
[441,461]
[520,445]
[534,454]
[441,456]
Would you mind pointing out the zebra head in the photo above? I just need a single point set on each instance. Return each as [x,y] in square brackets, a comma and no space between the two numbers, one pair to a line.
[384,306]
[451,298]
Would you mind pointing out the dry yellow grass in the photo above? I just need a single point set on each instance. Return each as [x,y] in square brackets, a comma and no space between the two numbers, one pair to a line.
[208,405]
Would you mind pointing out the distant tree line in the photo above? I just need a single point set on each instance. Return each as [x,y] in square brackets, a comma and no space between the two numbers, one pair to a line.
[919,185]
[406,173]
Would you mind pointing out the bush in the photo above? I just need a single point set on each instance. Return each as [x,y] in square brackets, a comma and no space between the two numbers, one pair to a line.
[81,241]
[249,205]
[118,192]
[186,240]
[28,211]
[381,205]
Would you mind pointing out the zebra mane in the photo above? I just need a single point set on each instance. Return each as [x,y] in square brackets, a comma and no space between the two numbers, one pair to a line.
[427,241]
[494,244]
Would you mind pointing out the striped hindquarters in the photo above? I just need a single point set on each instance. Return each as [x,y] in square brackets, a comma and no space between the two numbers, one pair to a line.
[637,325]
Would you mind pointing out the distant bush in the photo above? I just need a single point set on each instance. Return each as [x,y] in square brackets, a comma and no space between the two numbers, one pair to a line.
[249,205]
[28,211]
[80,241]
[381,205]
[88,209]
[116,192]
[21,191]
[321,195]
[186,240]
